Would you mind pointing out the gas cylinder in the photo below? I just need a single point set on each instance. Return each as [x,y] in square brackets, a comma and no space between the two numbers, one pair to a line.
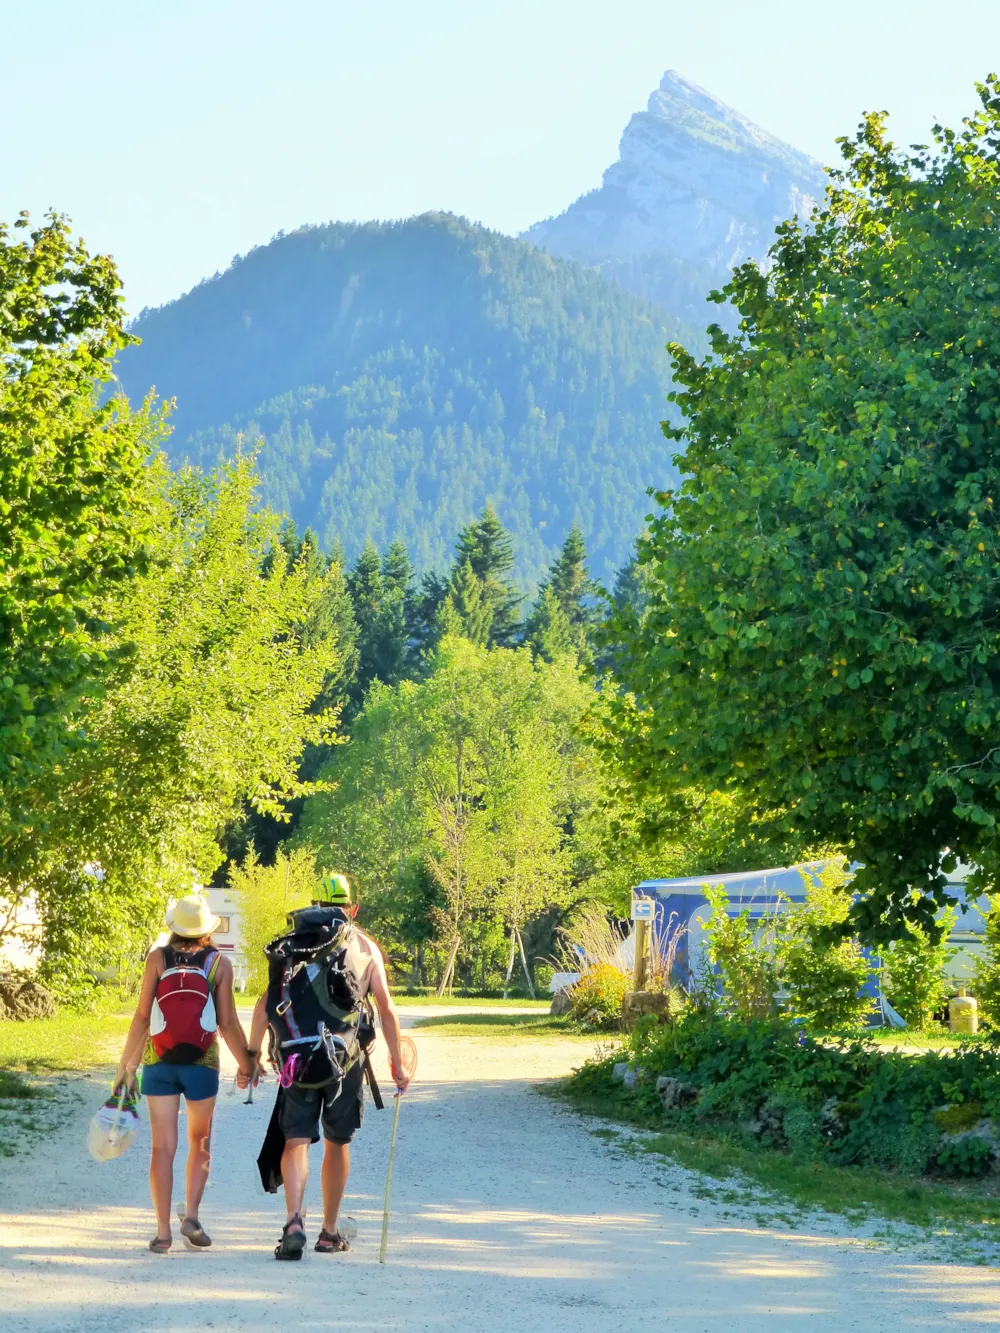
[963,1013]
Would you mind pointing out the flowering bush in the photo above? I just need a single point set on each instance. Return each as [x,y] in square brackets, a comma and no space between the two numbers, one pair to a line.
[597,997]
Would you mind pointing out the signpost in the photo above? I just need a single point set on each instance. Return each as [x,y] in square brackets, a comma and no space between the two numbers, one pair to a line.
[643,914]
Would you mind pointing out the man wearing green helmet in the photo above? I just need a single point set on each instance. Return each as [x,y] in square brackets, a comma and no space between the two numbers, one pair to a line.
[304,1109]
[336,890]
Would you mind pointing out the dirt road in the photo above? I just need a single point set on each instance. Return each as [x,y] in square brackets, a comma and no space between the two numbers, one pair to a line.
[509,1215]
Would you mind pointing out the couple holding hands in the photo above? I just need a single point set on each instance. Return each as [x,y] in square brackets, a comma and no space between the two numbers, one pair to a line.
[172,1051]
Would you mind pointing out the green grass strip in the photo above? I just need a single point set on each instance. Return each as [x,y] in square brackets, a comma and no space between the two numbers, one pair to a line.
[68,1042]
[14,1087]
[854,1192]
[501,1026]
[406,1001]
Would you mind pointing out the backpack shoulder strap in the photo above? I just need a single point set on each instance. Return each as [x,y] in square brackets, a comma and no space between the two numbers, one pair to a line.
[211,966]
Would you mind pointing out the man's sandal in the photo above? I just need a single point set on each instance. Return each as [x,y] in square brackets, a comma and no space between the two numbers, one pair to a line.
[330,1242]
[159,1246]
[292,1242]
[193,1232]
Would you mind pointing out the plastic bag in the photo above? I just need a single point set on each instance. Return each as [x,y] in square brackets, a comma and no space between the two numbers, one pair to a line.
[114,1127]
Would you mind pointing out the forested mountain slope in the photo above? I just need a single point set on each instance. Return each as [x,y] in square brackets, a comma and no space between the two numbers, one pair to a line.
[402,374]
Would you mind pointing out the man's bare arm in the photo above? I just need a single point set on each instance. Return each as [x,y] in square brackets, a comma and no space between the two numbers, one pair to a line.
[390,1026]
[258,1030]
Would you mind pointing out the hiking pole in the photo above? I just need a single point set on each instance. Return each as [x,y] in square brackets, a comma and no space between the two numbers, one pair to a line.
[388,1181]
[408,1056]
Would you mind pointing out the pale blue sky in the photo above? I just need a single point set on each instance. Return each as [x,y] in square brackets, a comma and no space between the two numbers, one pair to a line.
[178,134]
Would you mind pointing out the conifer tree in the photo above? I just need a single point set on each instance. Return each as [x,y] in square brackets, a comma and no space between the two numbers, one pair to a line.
[632,587]
[397,568]
[568,609]
[424,611]
[365,585]
[332,622]
[467,609]
[488,548]
[379,590]
[390,636]
[548,629]
[570,580]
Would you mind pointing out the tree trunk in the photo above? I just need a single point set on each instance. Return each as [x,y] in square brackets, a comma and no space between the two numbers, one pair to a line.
[449,971]
[510,962]
[524,964]
[415,970]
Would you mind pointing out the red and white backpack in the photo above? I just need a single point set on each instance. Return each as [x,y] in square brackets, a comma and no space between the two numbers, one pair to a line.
[182,1023]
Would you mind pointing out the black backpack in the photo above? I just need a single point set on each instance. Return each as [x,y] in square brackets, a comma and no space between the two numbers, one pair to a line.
[320,1017]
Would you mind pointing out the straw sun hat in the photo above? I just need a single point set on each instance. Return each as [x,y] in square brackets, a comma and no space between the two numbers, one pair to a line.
[191,917]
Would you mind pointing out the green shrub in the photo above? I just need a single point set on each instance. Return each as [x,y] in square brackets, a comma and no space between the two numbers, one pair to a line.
[969,1156]
[266,895]
[791,952]
[598,995]
[748,956]
[913,973]
[853,1103]
[986,982]
[823,977]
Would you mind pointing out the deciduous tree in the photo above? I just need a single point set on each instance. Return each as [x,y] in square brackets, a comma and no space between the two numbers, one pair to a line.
[72,512]
[823,632]
[209,706]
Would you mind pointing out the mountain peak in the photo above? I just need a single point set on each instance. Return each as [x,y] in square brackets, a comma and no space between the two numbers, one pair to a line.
[697,188]
[683,103]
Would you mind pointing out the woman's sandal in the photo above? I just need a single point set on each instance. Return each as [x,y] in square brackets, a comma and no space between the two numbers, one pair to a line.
[193,1232]
[160,1246]
[330,1242]
[292,1242]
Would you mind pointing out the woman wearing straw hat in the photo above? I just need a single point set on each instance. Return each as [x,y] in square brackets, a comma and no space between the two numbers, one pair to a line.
[187,993]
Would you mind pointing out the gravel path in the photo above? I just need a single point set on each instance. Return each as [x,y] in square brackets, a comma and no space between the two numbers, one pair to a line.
[509,1215]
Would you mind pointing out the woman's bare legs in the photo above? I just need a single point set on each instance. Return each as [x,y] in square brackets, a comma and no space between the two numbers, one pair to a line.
[163,1112]
[199,1162]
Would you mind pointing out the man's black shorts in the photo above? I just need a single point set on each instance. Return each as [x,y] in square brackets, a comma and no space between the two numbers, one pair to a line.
[303,1108]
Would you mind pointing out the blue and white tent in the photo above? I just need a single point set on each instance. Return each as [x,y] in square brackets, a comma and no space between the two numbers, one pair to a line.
[682,903]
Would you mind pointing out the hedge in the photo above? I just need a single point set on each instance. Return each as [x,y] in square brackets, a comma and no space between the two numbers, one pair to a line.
[849,1102]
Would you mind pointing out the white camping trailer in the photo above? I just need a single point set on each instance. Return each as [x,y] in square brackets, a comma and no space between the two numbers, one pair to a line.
[225,903]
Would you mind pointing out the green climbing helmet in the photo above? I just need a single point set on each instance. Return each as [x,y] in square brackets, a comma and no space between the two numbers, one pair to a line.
[336,890]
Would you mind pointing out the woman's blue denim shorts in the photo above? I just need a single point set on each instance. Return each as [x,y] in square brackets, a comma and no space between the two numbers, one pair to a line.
[194,1081]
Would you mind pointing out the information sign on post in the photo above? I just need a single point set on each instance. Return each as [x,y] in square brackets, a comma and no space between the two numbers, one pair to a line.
[643,910]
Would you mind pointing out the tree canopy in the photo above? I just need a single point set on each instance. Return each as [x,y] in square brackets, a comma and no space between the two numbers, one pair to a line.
[466,774]
[822,633]
[208,706]
[72,509]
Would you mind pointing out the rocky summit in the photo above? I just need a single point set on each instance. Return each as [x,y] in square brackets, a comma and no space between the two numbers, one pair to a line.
[697,188]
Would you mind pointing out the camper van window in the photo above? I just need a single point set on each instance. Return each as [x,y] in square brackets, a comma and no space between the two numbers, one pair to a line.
[224,923]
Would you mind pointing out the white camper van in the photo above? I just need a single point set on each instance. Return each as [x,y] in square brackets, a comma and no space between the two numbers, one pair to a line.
[226,906]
